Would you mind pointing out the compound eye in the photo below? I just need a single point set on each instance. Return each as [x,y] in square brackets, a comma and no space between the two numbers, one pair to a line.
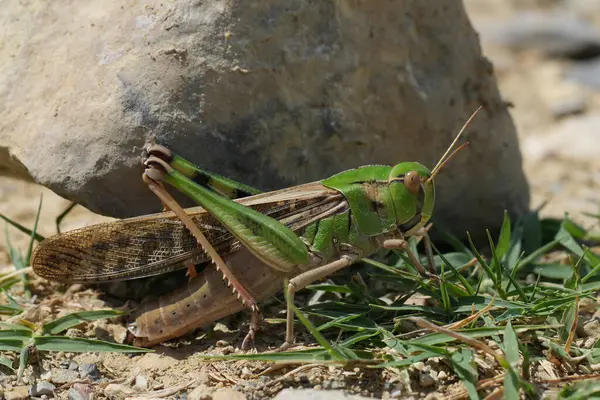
[412,181]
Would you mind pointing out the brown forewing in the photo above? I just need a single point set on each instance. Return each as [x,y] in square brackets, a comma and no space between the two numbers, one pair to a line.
[159,243]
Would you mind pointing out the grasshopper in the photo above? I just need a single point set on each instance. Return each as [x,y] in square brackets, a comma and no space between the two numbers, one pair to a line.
[256,240]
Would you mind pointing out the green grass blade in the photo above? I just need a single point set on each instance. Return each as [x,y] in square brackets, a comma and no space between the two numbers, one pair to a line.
[23,360]
[20,227]
[63,214]
[6,362]
[474,333]
[310,356]
[480,259]
[33,232]
[511,349]
[62,324]
[465,368]
[18,334]
[457,274]
[503,244]
[532,231]
[313,330]
[82,345]
[11,345]
[496,266]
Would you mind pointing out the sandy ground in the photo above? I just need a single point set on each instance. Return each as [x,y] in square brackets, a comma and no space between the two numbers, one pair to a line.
[559,170]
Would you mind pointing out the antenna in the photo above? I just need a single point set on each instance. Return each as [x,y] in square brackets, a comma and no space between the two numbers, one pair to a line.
[444,159]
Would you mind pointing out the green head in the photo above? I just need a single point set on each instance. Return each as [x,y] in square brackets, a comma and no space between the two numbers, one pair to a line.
[413,195]
[384,199]
[412,188]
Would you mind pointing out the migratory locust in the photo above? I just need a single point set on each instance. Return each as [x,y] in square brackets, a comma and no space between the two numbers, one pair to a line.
[255,240]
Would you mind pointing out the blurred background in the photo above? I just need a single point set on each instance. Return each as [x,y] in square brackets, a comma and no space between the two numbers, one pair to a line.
[546,57]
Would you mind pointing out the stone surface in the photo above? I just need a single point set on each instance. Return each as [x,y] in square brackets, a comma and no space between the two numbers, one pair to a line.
[560,139]
[272,94]
[558,34]
[228,394]
[17,393]
[80,391]
[586,73]
[89,371]
[312,394]
[42,388]
[201,392]
[62,376]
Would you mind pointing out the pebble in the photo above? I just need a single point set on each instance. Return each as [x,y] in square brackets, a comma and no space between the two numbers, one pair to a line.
[85,390]
[89,371]
[69,364]
[17,393]
[555,34]
[586,73]
[312,394]
[201,392]
[42,388]
[141,383]
[559,141]
[155,361]
[246,373]
[442,375]
[228,394]
[74,394]
[569,106]
[118,391]
[419,365]
[62,376]
[426,380]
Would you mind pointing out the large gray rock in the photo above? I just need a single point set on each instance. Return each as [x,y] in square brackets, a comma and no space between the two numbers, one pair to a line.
[272,93]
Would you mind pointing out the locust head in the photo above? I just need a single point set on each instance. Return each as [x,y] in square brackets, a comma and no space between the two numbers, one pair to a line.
[413,195]
[413,191]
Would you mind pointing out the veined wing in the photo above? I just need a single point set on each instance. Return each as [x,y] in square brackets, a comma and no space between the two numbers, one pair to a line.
[159,243]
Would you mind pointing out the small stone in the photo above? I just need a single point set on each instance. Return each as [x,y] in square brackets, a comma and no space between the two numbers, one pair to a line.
[155,361]
[89,371]
[312,394]
[117,391]
[419,366]
[42,388]
[396,394]
[73,366]
[201,392]
[74,394]
[221,327]
[228,394]
[569,106]
[557,34]
[442,375]
[84,389]
[17,393]
[338,385]
[426,380]
[141,383]
[246,373]
[222,343]
[586,73]
[62,376]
